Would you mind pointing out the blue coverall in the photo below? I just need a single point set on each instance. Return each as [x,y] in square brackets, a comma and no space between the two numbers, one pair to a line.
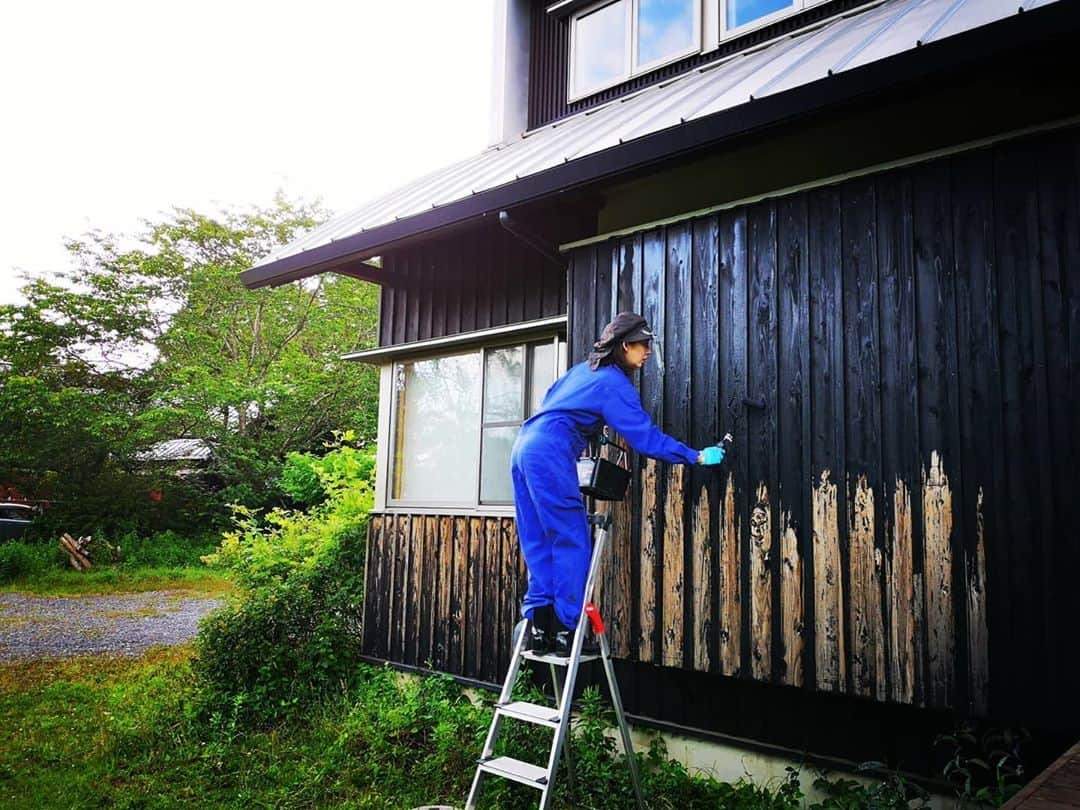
[551,520]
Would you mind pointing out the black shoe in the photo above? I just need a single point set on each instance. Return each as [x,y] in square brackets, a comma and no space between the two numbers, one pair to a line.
[540,636]
[564,642]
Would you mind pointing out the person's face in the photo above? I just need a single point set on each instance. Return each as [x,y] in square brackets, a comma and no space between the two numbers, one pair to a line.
[637,353]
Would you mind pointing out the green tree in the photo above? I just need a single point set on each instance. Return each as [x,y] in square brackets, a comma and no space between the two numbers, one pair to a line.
[153,337]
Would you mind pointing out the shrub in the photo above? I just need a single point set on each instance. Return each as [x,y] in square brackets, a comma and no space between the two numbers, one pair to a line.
[19,560]
[291,635]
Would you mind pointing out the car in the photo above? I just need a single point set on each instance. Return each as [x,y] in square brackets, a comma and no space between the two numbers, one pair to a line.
[15,520]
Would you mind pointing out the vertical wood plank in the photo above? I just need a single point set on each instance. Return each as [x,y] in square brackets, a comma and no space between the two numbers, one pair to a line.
[414,589]
[862,408]
[867,631]
[425,293]
[455,280]
[493,638]
[701,573]
[905,601]
[398,613]
[900,433]
[828,589]
[761,586]
[673,583]
[704,431]
[935,272]
[401,297]
[938,570]
[582,313]
[793,430]
[761,427]
[792,600]
[979,376]
[443,615]
[386,312]
[648,546]
[978,634]
[730,624]
[474,611]
[827,452]
[734,530]
[432,569]
[373,587]
[508,583]
[459,596]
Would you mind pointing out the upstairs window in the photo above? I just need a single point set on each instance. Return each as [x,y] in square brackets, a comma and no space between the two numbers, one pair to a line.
[615,40]
[612,41]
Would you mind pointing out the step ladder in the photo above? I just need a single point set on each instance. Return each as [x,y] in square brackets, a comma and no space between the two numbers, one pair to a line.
[556,718]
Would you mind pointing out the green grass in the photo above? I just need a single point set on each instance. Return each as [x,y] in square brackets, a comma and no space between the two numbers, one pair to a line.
[68,582]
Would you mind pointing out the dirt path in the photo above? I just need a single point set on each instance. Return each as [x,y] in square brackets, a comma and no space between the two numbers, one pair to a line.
[118,624]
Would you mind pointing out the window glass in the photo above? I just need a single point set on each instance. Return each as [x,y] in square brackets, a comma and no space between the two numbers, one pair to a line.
[741,12]
[665,28]
[503,396]
[438,422]
[541,373]
[495,486]
[600,47]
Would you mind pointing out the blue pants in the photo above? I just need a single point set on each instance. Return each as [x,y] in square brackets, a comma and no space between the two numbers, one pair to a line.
[552,525]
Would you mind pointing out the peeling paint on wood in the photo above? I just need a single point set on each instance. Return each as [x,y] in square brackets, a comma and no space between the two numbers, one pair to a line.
[828,588]
[459,599]
[730,635]
[441,653]
[977,631]
[701,576]
[867,633]
[617,606]
[673,582]
[761,586]
[937,534]
[791,601]
[647,586]
[902,594]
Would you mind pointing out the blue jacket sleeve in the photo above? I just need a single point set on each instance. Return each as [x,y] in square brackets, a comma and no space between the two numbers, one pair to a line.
[623,412]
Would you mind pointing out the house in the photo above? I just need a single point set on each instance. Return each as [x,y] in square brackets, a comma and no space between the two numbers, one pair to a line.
[855,227]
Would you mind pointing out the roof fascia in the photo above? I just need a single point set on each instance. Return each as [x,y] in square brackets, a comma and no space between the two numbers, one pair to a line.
[1023,30]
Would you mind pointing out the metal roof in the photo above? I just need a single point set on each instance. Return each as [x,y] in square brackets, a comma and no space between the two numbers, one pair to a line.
[831,48]
[177,450]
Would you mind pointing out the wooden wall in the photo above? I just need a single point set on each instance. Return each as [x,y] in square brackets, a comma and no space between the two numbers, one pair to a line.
[476,280]
[898,359]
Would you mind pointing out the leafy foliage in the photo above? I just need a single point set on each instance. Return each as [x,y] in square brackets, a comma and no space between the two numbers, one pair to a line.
[984,767]
[153,337]
[291,635]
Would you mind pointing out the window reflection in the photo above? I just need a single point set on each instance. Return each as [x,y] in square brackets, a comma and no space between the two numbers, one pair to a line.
[664,28]
[495,485]
[600,47]
[741,12]
[503,393]
[438,419]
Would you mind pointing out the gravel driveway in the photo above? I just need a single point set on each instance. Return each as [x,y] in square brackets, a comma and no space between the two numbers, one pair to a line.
[118,624]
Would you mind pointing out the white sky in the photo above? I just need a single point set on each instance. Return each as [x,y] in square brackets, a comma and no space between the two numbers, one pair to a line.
[113,111]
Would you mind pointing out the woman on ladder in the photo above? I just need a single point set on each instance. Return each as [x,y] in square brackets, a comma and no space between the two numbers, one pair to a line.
[552,524]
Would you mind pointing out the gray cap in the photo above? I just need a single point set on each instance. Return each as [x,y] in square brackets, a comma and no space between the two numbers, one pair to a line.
[626,327]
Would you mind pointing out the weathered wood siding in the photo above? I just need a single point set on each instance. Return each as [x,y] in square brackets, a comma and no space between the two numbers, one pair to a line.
[898,359]
[461,284]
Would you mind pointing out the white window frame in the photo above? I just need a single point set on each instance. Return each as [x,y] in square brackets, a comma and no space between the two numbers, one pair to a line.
[710,30]
[388,404]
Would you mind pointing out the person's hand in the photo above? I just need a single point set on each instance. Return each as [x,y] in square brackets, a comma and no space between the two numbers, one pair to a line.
[711,456]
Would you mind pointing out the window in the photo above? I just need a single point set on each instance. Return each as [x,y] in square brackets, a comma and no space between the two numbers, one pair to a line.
[456,418]
[616,40]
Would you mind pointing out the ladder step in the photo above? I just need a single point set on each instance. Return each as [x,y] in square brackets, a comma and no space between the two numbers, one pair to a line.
[509,768]
[556,660]
[530,713]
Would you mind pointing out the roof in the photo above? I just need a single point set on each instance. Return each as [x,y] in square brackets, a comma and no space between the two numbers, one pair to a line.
[177,450]
[726,97]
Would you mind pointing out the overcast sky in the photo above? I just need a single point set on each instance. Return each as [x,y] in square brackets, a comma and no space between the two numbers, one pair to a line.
[113,111]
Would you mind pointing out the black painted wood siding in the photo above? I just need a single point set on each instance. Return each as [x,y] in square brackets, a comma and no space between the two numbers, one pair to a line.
[898,359]
[463,283]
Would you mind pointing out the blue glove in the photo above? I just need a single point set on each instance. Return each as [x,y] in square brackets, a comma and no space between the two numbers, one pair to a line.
[711,456]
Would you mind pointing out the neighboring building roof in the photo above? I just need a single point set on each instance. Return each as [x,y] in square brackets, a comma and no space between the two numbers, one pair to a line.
[616,136]
[178,450]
